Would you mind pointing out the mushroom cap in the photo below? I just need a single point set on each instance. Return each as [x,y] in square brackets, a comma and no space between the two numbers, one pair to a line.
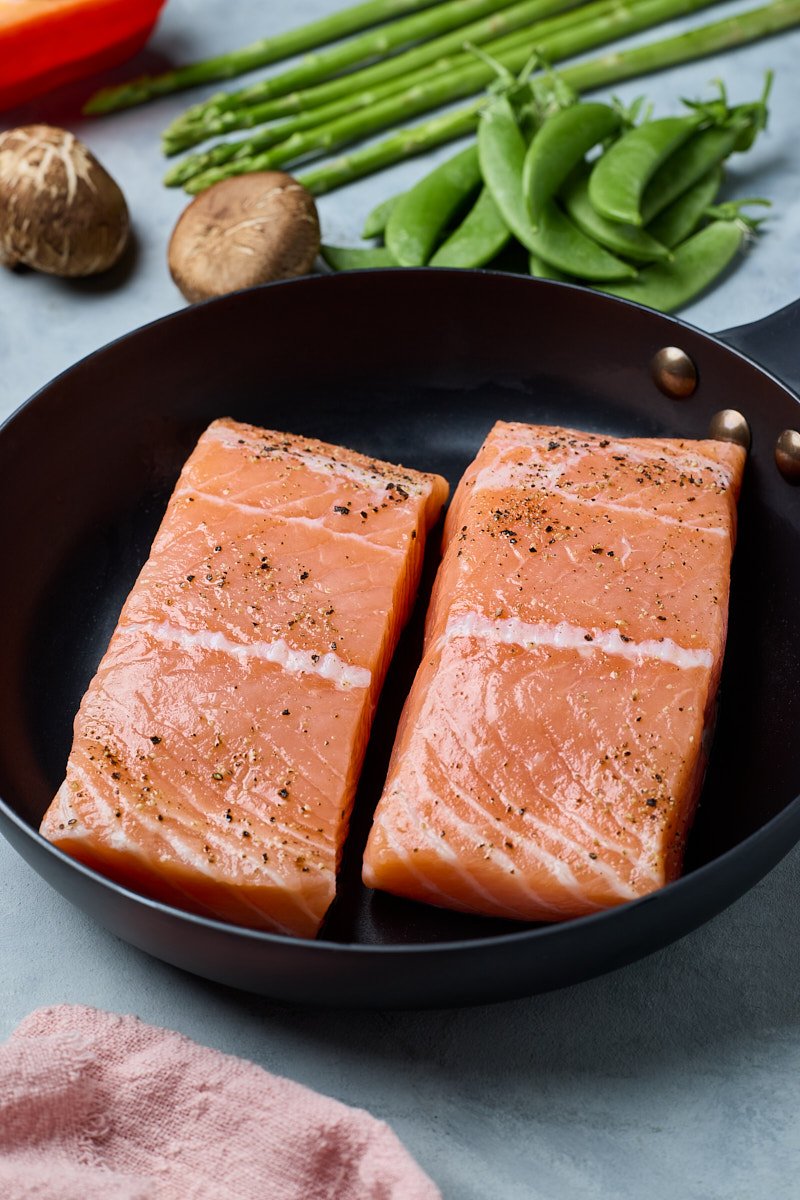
[60,211]
[242,231]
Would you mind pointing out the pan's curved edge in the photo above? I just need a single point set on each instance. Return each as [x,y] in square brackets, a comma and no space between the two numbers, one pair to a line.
[338,279]
[328,974]
[764,848]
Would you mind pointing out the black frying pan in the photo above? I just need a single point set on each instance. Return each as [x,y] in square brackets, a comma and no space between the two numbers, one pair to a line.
[412,366]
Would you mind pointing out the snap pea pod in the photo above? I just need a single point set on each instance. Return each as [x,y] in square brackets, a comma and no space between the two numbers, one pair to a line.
[562,142]
[628,240]
[502,150]
[501,153]
[356,258]
[478,239]
[539,269]
[680,219]
[697,263]
[620,176]
[416,222]
[689,163]
[376,220]
[561,244]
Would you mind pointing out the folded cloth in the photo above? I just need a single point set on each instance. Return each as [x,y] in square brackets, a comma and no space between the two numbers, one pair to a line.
[95,1106]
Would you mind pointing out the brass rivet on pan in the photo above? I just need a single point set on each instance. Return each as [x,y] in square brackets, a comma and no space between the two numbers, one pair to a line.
[787,455]
[674,373]
[728,425]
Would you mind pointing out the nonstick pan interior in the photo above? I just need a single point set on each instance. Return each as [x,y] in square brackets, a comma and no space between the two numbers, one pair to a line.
[413,367]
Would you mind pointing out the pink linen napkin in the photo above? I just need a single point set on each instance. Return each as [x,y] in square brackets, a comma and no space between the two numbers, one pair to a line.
[95,1106]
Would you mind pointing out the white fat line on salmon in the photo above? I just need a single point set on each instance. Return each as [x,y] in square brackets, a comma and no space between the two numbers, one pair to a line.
[183,850]
[402,855]
[507,475]
[248,799]
[274,835]
[118,839]
[115,836]
[498,858]
[423,831]
[92,792]
[613,878]
[686,463]
[686,460]
[629,510]
[320,464]
[572,818]
[254,873]
[553,866]
[433,714]
[513,631]
[296,662]
[598,867]
[549,862]
[295,519]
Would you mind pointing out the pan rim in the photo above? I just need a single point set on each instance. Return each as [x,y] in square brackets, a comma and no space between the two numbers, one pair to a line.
[768,831]
[693,879]
[326,278]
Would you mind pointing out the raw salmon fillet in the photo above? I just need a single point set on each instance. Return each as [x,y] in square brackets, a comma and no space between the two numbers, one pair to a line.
[217,749]
[551,750]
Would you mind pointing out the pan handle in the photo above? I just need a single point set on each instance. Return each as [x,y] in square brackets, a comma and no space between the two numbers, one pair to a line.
[773,343]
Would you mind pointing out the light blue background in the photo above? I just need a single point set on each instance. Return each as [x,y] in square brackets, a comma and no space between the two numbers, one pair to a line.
[675,1079]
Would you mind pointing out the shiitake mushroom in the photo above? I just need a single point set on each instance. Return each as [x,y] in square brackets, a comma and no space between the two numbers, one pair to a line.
[60,211]
[242,231]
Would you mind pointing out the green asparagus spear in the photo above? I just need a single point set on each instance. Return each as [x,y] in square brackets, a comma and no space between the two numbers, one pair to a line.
[272,135]
[361,89]
[376,43]
[280,95]
[440,89]
[738,30]
[259,54]
[406,143]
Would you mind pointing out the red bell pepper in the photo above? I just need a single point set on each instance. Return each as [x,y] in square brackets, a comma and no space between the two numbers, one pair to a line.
[44,43]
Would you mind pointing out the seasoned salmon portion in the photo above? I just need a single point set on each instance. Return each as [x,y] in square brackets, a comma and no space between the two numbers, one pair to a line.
[552,748]
[217,750]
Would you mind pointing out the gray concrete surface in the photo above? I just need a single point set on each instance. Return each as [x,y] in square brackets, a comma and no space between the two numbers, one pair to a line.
[675,1079]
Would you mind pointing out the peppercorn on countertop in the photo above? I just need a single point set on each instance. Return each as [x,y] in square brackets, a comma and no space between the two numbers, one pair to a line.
[674,1078]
